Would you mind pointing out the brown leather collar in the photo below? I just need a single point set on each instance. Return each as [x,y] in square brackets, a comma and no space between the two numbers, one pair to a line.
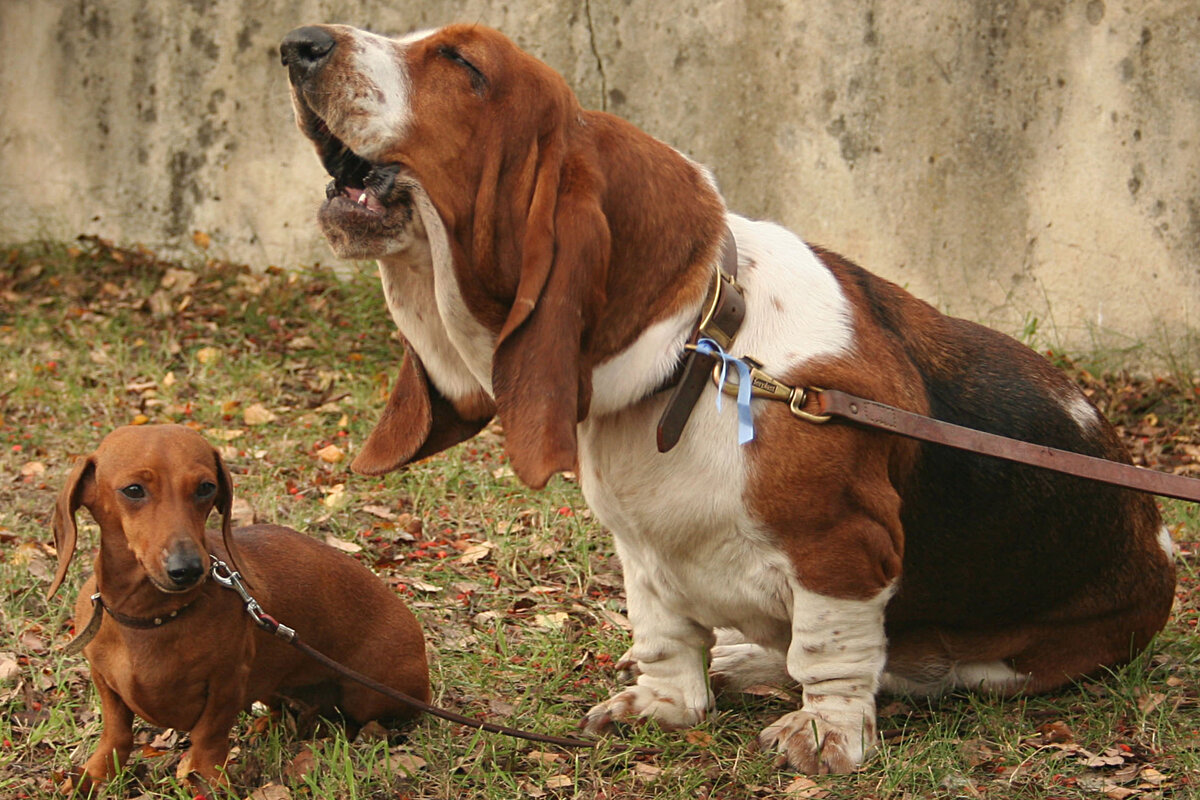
[99,607]
[724,309]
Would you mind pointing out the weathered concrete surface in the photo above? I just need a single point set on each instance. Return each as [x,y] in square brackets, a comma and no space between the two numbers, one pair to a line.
[1009,161]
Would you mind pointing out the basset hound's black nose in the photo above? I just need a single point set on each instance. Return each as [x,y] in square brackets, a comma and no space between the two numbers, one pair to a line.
[304,50]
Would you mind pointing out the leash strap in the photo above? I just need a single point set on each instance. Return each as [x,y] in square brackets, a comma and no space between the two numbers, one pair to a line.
[821,405]
[927,429]
[230,579]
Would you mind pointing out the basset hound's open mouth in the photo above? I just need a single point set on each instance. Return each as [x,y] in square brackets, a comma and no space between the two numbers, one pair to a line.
[358,184]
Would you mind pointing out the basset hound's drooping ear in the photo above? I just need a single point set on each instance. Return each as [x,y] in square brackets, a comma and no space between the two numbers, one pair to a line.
[74,493]
[540,381]
[416,423]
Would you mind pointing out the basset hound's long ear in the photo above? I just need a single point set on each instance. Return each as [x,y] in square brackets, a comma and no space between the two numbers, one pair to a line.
[417,422]
[70,498]
[541,386]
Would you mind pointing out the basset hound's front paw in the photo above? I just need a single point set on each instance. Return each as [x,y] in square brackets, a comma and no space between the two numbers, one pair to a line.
[639,703]
[820,744]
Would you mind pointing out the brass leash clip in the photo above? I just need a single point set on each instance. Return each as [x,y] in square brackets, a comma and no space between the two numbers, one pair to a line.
[763,385]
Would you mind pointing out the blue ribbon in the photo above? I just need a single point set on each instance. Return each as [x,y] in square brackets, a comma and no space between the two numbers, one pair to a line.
[745,420]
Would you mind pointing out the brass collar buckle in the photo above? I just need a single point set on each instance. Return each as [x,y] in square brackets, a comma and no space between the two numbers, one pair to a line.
[710,323]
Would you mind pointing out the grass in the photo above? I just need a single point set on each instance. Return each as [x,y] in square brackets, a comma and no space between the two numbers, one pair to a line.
[519,592]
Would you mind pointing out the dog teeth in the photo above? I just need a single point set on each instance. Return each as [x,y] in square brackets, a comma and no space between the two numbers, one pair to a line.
[362,199]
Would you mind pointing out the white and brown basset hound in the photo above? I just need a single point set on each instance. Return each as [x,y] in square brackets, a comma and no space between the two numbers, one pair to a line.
[547,264]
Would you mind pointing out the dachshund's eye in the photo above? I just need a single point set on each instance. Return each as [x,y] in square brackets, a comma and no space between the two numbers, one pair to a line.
[206,490]
[134,491]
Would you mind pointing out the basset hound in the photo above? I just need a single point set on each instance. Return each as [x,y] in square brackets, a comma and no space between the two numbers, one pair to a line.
[548,265]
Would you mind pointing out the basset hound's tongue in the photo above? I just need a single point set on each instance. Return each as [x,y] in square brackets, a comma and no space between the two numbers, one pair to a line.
[363,198]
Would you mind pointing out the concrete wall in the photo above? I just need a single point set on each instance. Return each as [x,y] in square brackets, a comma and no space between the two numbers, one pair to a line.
[1007,160]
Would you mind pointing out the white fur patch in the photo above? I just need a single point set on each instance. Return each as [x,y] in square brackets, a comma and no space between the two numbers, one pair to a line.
[642,367]
[989,676]
[1083,412]
[411,287]
[1166,542]
[377,110]
[795,308]
[471,342]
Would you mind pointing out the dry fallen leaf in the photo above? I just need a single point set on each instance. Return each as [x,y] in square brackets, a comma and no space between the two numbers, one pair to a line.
[383,512]
[617,619]
[407,762]
[540,757]
[331,454]
[272,791]
[1056,732]
[341,544]
[1111,757]
[646,772]
[551,621]
[476,553]
[303,343]
[337,497]
[804,787]
[178,280]
[1149,701]
[1151,776]
[166,740]
[258,414]
[9,668]
[208,355]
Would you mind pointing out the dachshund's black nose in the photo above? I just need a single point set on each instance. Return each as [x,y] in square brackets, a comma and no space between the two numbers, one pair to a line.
[304,50]
[184,568]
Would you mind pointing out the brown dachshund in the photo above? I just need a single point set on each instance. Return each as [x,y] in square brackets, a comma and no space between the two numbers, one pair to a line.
[178,649]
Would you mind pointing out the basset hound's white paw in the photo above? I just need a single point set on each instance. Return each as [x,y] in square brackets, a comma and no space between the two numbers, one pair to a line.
[819,743]
[640,703]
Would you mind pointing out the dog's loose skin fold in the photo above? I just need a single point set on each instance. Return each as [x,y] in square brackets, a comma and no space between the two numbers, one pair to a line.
[546,264]
[151,490]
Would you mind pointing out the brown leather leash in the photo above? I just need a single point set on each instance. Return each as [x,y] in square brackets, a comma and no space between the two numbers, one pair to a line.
[833,403]
[724,310]
[820,405]
[231,579]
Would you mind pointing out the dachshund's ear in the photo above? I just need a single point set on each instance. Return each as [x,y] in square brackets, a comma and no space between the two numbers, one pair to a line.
[224,506]
[418,422]
[541,383]
[80,483]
